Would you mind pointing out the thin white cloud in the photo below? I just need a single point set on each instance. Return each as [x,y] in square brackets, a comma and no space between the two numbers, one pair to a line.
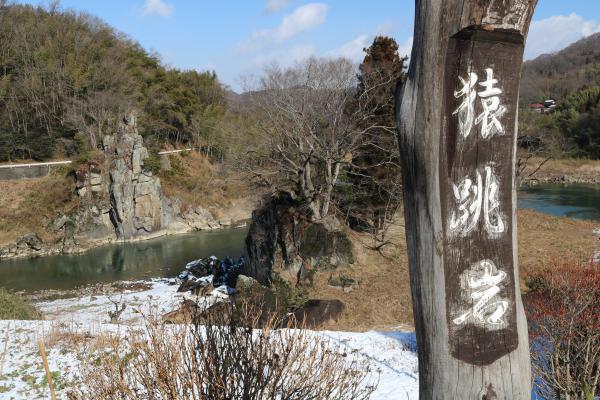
[158,7]
[274,6]
[386,27]
[554,33]
[301,19]
[354,49]
[286,57]
[404,49]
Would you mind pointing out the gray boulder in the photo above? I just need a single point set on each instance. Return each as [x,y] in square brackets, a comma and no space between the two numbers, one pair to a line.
[29,241]
[282,238]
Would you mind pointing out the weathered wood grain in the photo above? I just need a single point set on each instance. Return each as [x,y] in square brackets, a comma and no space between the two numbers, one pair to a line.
[451,38]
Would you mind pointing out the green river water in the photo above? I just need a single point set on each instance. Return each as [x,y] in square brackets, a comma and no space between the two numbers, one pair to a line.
[161,257]
[572,201]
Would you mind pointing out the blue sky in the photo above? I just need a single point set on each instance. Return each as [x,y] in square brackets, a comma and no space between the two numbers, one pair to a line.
[237,38]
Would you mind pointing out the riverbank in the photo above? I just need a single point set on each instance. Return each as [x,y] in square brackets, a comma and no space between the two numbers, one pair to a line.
[121,194]
[237,215]
[567,171]
[163,257]
[543,239]
[377,273]
[71,212]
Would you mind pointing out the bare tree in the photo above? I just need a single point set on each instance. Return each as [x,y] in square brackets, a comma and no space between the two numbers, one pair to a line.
[97,115]
[312,123]
[539,141]
[120,306]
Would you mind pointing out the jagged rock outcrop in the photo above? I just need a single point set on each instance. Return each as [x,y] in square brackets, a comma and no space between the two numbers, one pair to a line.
[119,200]
[25,245]
[135,194]
[284,239]
[126,198]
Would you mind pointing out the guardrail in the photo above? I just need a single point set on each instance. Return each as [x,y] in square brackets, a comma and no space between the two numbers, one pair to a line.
[160,153]
[49,163]
[40,164]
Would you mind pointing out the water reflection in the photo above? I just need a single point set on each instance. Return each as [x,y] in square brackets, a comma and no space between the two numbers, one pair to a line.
[573,201]
[160,257]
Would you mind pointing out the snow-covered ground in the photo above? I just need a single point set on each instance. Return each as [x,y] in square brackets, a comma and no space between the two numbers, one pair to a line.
[391,354]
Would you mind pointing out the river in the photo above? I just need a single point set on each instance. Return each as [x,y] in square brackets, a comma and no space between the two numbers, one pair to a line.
[166,256]
[572,201]
[160,257]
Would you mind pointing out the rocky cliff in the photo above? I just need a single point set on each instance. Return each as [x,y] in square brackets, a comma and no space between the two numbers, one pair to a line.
[284,240]
[123,200]
[119,199]
[135,195]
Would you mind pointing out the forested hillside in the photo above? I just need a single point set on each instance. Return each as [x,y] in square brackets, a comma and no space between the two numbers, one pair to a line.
[554,76]
[65,79]
[572,78]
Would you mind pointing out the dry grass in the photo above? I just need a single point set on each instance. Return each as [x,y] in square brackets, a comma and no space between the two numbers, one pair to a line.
[28,205]
[14,306]
[197,182]
[579,168]
[382,299]
[67,336]
[544,238]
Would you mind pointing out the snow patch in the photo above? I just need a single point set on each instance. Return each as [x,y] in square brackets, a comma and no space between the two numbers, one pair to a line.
[392,355]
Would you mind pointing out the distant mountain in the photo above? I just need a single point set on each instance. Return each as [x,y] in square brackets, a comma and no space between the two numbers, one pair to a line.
[554,76]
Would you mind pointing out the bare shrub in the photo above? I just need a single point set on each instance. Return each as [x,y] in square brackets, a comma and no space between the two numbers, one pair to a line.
[563,311]
[120,306]
[82,338]
[66,335]
[224,355]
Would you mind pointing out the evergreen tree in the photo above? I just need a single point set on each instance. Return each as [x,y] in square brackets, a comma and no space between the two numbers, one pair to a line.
[375,172]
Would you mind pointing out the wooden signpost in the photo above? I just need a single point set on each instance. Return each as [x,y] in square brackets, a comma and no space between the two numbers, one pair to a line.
[457,115]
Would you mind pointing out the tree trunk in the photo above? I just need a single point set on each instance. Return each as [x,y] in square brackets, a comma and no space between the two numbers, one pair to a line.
[457,116]
[331,182]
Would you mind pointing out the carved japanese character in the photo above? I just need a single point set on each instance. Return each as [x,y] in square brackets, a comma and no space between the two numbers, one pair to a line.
[474,199]
[468,201]
[481,286]
[466,109]
[489,119]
